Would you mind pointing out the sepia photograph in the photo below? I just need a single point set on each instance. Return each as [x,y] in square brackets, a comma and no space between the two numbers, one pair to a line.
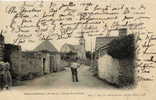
[78,45]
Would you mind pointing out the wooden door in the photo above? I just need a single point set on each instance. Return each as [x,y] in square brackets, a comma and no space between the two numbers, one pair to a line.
[44,61]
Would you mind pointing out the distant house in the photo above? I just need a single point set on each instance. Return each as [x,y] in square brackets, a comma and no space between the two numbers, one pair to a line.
[51,60]
[77,50]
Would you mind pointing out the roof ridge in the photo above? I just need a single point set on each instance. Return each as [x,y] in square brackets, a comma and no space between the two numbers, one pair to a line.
[46,45]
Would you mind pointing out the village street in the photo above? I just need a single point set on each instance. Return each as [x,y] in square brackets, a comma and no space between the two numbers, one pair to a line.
[63,80]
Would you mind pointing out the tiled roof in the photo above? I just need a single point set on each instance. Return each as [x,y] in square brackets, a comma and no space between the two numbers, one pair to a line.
[102,41]
[46,46]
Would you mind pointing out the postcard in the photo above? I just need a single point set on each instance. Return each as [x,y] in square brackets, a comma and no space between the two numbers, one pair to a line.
[78,49]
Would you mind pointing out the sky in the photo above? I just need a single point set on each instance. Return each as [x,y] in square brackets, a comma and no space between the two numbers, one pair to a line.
[90,41]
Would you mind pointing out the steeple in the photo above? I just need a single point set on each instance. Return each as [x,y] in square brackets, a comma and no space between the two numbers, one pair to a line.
[82,40]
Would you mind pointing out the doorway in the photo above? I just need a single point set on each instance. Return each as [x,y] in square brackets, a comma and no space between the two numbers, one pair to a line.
[44,61]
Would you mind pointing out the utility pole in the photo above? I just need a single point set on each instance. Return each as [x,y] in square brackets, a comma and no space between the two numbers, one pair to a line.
[92,59]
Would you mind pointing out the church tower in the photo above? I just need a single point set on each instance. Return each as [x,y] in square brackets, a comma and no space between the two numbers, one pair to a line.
[82,44]
[82,40]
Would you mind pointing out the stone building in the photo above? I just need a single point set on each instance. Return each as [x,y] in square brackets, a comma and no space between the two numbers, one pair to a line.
[115,71]
[25,64]
[51,59]
[42,60]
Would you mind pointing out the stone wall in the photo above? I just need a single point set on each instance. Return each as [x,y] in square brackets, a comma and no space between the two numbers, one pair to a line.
[25,64]
[29,64]
[15,59]
[108,69]
[59,65]
[115,71]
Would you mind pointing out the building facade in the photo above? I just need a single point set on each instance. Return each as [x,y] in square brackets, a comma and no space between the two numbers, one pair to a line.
[114,70]
[51,59]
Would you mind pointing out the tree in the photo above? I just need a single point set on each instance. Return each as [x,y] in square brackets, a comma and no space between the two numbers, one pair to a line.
[122,47]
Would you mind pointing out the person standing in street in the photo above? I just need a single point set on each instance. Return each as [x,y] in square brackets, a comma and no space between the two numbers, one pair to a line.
[74,67]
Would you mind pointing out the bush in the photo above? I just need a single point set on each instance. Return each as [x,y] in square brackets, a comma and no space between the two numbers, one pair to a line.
[122,47]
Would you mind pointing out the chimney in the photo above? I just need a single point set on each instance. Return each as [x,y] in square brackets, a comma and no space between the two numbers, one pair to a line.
[122,31]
